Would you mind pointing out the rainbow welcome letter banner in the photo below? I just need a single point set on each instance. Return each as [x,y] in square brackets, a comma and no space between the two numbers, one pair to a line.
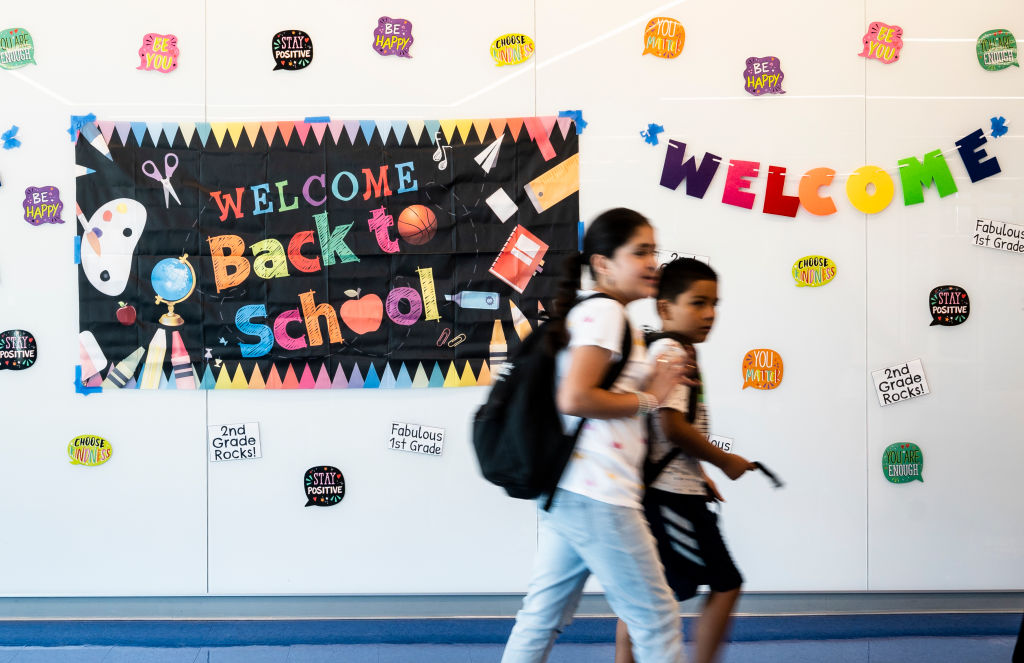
[320,254]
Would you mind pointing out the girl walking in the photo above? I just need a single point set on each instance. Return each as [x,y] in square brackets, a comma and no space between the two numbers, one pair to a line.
[596,523]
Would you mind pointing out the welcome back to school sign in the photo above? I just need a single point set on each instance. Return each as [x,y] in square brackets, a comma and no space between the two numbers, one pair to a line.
[333,254]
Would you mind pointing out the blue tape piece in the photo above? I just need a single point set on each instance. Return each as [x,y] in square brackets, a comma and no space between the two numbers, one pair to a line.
[577,117]
[78,250]
[10,142]
[77,122]
[579,231]
[651,135]
[81,388]
[317,118]
[998,126]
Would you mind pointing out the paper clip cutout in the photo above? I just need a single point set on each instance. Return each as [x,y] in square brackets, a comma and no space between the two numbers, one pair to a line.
[445,333]
[457,340]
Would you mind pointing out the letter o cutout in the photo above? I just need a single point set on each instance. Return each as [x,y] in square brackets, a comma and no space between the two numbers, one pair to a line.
[410,295]
[857,184]
[352,181]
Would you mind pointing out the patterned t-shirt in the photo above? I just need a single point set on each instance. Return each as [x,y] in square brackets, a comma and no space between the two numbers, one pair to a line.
[682,475]
[606,462]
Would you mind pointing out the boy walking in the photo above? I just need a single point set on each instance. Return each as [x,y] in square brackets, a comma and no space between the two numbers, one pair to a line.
[678,491]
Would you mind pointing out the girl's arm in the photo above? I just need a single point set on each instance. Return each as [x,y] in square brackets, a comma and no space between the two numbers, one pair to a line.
[580,394]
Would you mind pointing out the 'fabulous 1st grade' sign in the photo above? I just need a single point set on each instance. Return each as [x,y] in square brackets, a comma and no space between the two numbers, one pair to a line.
[416,439]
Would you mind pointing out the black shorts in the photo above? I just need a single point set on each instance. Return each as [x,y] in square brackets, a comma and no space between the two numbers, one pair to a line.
[690,544]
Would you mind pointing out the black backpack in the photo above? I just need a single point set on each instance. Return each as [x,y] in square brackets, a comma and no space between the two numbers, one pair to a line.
[652,469]
[517,432]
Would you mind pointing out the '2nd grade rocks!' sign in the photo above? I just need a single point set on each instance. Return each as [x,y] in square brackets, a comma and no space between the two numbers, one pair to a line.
[320,255]
[899,383]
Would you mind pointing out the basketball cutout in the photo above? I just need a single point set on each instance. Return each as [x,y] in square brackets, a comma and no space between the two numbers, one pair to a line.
[417,224]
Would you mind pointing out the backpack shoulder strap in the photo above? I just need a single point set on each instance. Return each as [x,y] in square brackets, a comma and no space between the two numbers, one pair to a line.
[610,376]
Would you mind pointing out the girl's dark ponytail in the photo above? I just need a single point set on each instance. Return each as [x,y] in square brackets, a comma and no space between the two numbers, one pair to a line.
[572,275]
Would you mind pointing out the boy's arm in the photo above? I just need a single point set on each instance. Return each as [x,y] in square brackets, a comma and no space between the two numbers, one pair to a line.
[684,435]
[712,487]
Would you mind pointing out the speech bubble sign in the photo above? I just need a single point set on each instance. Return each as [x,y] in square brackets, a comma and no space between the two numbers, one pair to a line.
[813,271]
[158,53]
[664,37]
[762,369]
[16,48]
[949,305]
[18,350]
[763,76]
[42,205]
[89,450]
[903,462]
[997,49]
[512,48]
[324,484]
[393,36]
[293,50]
[883,42]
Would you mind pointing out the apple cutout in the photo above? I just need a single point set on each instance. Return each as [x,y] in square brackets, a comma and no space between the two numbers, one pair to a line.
[362,314]
[126,314]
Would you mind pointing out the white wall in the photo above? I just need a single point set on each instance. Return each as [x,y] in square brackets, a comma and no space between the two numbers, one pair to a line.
[158,520]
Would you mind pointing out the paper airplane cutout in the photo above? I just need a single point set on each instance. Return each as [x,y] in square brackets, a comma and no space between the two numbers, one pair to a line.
[489,156]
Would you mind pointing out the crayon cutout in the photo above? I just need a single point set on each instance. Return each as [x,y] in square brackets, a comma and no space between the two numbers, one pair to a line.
[498,347]
[152,370]
[181,364]
[120,374]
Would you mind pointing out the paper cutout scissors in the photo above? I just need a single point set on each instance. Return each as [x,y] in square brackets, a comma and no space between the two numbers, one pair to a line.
[150,170]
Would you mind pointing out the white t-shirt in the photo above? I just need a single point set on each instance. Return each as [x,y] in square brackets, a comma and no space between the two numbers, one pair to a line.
[609,453]
[682,475]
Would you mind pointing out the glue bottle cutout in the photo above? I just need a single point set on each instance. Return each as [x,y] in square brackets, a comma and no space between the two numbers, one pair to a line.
[475,299]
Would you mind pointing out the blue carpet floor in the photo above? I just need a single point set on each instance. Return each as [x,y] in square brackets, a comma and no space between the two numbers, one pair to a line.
[928,638]
[989,649]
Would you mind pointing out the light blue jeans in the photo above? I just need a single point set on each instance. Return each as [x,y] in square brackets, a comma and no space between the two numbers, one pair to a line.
[580,536]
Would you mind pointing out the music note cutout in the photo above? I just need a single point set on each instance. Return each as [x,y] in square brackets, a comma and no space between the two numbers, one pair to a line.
[441,153]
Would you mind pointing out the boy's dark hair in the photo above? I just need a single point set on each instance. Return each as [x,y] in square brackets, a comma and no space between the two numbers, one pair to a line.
[678,275]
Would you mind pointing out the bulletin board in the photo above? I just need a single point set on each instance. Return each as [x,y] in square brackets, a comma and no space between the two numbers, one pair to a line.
[787,94]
